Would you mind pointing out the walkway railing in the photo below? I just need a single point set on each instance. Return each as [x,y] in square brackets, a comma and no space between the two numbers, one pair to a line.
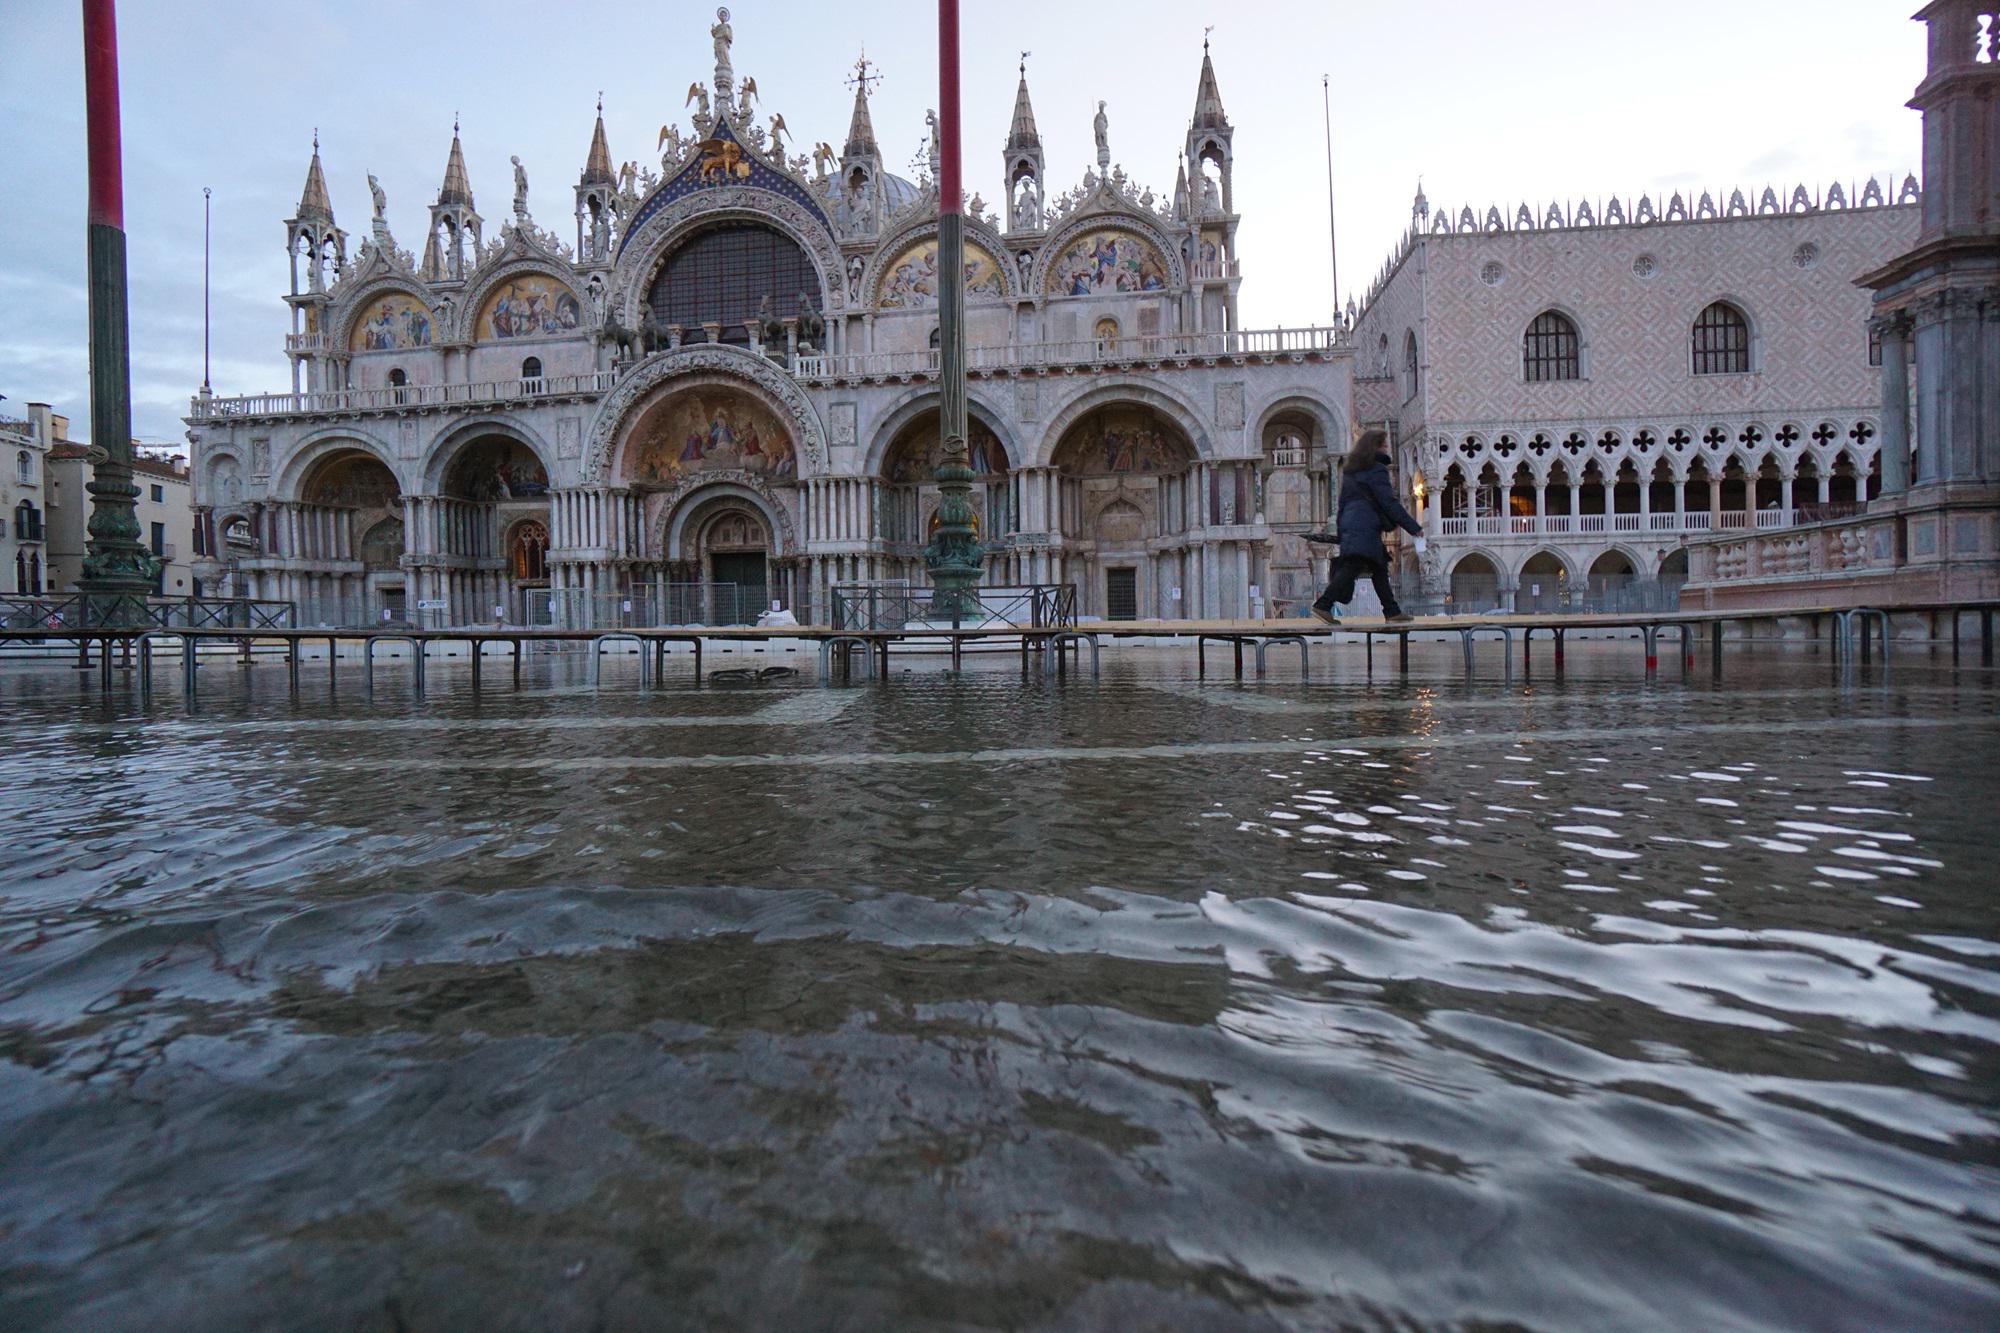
[896,606]
[87,611]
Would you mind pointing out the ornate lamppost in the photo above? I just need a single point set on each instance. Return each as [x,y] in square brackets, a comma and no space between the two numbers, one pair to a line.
[117,571]
[953,555]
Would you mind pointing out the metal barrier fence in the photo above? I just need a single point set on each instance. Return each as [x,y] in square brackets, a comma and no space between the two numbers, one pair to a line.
[91,611]
[660,606]
[892,606]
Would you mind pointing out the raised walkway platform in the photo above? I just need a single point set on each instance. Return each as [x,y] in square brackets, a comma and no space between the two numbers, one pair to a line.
[1851,633]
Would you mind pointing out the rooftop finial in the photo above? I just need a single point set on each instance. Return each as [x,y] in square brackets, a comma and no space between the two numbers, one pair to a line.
[600,101]
[1204,37]
[315,138]
[1024,63]
[867,74]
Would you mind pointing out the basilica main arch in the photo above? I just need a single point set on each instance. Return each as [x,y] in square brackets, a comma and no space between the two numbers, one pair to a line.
[1125,509]
[697,502]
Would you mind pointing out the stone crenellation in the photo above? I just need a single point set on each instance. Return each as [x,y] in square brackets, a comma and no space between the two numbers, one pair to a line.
[1642,212]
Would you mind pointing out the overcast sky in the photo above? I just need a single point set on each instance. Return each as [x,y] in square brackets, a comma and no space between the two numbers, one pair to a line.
[1489,103]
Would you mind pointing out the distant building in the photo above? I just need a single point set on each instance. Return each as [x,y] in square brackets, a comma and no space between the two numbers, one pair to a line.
[165,511]
[24,499]
[1577,392]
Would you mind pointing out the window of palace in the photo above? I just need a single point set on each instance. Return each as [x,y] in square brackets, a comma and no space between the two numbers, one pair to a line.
[1409,366]
[725,274]
[531,369]
[1550,349]
[1721,341]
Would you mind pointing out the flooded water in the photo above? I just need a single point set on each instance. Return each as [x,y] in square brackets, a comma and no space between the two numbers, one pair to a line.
[979,1002]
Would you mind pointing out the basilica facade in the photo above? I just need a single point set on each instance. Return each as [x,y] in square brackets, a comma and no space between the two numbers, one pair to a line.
[724,381]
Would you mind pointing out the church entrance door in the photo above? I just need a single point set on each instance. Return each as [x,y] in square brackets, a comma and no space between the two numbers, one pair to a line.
[738,580]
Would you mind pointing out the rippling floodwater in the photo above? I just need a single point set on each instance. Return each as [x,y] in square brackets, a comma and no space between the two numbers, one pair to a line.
[975,1002]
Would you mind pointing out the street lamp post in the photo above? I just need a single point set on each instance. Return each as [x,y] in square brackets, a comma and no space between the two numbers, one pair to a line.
[117,571]
[953,555]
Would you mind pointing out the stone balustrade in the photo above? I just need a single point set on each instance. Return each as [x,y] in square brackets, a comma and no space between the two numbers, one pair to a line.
[401,398]
[1003,358]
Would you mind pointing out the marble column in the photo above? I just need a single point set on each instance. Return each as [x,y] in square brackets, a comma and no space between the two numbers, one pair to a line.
[1895,427]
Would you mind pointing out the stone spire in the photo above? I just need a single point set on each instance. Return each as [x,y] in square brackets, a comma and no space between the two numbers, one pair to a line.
[314,206]
[861,129]
[453,245]
[457,189]
[312,237]
[1024,134]
[1022,158]
[597,166]
[1208,97]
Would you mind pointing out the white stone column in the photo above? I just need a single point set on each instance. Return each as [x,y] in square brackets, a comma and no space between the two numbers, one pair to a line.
[1894,435]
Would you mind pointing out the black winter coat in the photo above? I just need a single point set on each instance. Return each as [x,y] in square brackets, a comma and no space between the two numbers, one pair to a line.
[1369,508]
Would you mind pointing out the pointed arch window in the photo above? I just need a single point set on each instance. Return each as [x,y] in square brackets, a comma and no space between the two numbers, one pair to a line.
[1721,341]
[1409,365]
[1551,350]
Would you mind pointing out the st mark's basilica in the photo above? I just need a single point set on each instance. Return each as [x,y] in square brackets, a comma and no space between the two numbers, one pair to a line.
[724,382]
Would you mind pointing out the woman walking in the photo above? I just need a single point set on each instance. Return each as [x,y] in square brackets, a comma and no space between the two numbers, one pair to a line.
[1368,508]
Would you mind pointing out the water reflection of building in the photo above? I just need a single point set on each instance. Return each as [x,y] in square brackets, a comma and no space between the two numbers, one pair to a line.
[1579,393]
[730,376]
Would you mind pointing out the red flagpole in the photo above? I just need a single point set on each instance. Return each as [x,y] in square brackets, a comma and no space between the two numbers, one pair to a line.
[117,569]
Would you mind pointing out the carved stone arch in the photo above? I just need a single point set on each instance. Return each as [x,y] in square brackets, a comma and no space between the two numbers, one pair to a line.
[1131,220]
[1167,402]
[1487,554]
[307,452]
[352,305]
[438,454]
[693,493]
[923,399]
[644,251]
[1514,574]
[703,363]
[1308,402]
[515,263]
[1639,562]
[923,229]
[210,479]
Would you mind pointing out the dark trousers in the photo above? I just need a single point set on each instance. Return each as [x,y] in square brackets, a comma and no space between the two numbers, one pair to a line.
[1347,569]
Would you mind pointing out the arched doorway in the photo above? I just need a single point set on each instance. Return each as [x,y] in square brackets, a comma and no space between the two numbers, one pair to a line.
[715,468]
[1544,581]
[1613,582]
[348,533]
[1673,573]
[1475,584]
[527,550]
[907,511]
[1125,483]
[492,487]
